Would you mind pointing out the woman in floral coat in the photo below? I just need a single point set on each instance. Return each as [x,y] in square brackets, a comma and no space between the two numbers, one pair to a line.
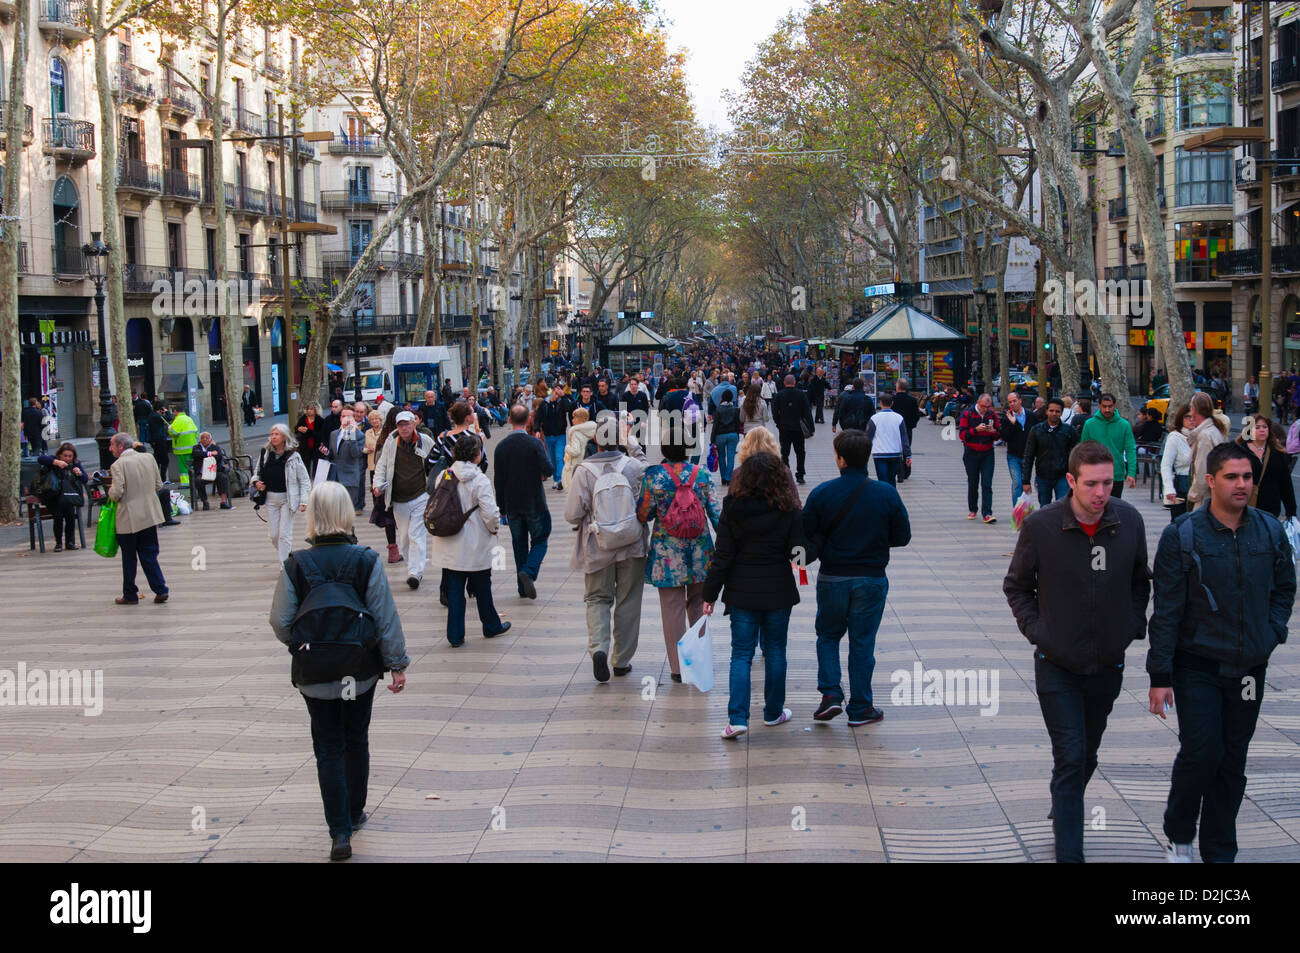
[677,567]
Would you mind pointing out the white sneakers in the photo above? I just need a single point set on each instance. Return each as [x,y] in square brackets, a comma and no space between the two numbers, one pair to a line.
[1180,854]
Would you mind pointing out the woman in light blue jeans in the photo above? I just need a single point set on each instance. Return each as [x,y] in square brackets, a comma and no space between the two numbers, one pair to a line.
[759,534]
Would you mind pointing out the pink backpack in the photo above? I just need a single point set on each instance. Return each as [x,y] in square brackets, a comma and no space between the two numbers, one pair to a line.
[685,518]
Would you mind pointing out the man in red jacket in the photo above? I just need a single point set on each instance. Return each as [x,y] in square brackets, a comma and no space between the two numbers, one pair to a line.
[979,430]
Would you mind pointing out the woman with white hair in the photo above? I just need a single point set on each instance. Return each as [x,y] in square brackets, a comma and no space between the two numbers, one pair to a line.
[283,476]
[337,680]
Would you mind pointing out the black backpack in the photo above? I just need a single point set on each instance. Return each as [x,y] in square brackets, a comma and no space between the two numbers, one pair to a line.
[443,514]
[333,635]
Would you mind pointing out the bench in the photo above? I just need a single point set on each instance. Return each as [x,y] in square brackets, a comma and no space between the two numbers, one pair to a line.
[37,514]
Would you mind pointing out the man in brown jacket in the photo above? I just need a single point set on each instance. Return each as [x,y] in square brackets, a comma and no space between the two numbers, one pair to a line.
[135,487]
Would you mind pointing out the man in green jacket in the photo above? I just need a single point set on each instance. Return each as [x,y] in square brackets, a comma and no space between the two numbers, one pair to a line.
[185,435]
[1114,432]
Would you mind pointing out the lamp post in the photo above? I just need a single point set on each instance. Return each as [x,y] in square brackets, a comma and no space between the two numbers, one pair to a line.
[95,254]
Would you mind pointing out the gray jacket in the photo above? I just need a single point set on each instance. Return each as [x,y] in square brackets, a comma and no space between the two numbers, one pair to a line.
[587,555]
[379,600]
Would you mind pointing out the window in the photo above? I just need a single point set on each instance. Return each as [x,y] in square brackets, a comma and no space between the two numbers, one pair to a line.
[1206,31]
[359,232]
[1196,245]
[359,183]
[273,257]
[245,256]
[1203,178]
[58,87]
[174,257]
[363,311]
[130,239]
[210,250]
[1204,99]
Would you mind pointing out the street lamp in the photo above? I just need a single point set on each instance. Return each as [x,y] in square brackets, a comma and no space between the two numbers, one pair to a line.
[95,254]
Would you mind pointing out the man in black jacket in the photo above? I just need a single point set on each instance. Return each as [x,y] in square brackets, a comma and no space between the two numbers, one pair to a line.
[637,404]
[552,419]
[521,466]
[1048,448]
[790,413]
[1016,425]
[32,420]
[606,399]
[1225,586]
[1078,586]
[817,387]
[854,408]
[906,406]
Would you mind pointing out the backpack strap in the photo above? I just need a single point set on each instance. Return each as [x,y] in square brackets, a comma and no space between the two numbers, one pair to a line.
[303,561]
[1191,558]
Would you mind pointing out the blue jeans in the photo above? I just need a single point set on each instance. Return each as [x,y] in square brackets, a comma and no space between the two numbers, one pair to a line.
[1215,725]
[555,450]
[979,473]
[726,444]
[480,587]
[1016,467]
[856,606]
[748,628]
[340,738]
[888,469]
[526,526]
[1046,488]
[1075,709]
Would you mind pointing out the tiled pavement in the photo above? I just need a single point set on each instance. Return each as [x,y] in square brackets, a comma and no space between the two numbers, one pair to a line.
[203,753]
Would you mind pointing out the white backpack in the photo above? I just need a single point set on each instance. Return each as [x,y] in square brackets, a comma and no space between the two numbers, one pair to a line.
[613,507]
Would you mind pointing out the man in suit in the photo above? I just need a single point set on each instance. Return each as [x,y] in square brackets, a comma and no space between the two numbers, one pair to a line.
[790,412]
[135,485]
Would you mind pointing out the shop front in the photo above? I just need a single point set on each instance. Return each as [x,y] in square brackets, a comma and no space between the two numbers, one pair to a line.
[56,361]
[901,341]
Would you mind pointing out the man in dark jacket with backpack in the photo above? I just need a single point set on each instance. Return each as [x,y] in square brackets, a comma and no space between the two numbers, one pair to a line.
[521,465]
[1225,585]
[855,407]
[1078,586]
[850,524]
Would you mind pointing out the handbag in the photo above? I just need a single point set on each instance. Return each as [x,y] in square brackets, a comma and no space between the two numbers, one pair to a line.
[258,497]
[106,530]
[806,429]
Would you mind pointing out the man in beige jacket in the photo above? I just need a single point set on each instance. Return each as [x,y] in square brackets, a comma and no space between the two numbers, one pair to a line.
[135,487]
[615,578]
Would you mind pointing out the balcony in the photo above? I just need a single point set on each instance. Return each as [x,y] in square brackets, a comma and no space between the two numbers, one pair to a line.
[1287,167]
[1155,128]
[1115,146]
[344,259]
[1286,72]
[377,323]
[1137,272]
[250,122]
[345,199]
[206,113]
[243,48]
[70,139]
[1085,139]
[1117,273]
[1247,262]
[1117,208]
[356,146]
[4,118]
[272,65]
[181,186]
[241,198]
[65,19]
[178,98]
[306,150]
[309,286]
[138,279]
[66,261]
[306,211]
[132,84]
[133,175]
[1250,85]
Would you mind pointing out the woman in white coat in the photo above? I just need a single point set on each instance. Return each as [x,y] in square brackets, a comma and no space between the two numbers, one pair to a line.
[467,556]
[282,474]
[1176,464]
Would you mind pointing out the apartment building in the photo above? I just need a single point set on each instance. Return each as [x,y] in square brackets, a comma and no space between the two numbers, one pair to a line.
[166,230]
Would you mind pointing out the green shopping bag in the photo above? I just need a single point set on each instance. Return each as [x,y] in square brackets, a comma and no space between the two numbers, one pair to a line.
[106,531]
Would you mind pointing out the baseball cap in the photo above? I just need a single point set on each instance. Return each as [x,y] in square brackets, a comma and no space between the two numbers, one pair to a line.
[404,416]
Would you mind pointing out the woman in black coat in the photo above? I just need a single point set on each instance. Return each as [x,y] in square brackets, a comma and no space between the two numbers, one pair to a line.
[66,494]
[1271,466]
[759,533]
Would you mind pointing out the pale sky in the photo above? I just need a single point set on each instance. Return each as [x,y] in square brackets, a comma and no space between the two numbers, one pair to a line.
[720,36]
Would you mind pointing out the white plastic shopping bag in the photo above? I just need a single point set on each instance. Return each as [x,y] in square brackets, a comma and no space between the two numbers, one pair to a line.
[695,652]
[209,469]
[1292,528]
[322,473]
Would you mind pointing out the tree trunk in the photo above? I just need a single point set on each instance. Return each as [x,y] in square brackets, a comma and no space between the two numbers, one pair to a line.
[431,286]
[535,322]
[10,366]
[232,325]
[115,317]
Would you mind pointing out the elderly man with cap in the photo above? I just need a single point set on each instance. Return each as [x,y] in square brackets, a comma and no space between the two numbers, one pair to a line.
[400,477]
